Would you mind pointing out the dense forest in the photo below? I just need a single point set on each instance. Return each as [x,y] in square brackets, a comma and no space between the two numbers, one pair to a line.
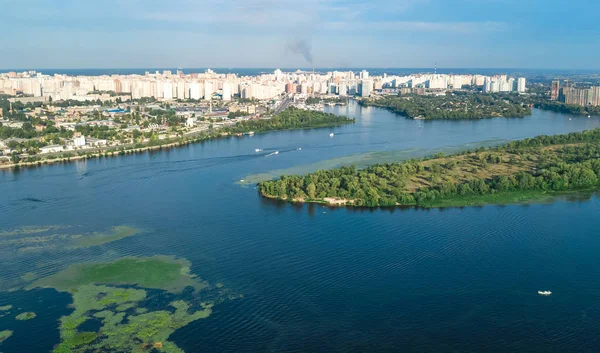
[291,118]
[519,170]
[453,106]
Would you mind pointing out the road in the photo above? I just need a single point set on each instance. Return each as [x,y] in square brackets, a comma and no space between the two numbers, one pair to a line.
[284,104]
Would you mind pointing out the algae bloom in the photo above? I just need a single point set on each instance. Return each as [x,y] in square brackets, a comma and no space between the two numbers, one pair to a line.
[114,294]
[4,335]
[157,272]
[116,233]
[25,316]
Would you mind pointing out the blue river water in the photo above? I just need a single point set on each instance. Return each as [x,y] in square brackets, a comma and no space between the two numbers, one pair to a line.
[318,279]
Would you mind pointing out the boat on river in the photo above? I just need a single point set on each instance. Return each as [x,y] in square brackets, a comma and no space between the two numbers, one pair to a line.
[544,292]
[331,135]
[257,150]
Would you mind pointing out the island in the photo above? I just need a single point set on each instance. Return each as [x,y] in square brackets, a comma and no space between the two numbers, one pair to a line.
[452,106]
[518,171]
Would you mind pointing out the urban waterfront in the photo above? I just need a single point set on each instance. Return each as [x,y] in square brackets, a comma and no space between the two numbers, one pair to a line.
[315,278]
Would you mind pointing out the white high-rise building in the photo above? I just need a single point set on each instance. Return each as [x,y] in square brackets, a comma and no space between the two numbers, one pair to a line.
[195,91]
[494,86]
[343,89]
[521,84]
[487,85]
[168,90]
[511,84]
[278,74]
[181,91]
[208,90]
[226,96]
[364,74]
[365,88]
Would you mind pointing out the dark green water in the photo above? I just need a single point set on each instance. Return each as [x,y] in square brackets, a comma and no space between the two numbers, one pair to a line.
[316,279]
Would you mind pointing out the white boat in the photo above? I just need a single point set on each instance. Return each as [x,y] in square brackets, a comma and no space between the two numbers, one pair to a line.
[251,133]
[544,292]
[257,150]
[299,148]
[331,135]
[570,119]
[589,116]
[276,152]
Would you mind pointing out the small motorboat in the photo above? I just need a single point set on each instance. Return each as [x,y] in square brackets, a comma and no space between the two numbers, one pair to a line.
[257,150]
[331,135]
[544,292]
[299,148]
[589,116]
[276,152]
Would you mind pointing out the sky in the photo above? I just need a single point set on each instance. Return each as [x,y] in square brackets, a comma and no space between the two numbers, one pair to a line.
[559,34]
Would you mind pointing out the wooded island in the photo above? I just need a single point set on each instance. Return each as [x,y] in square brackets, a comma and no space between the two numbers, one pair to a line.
[518,171]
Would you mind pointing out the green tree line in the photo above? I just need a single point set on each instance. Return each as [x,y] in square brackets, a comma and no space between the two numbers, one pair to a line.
[291,118]
[543,164]
[453,106]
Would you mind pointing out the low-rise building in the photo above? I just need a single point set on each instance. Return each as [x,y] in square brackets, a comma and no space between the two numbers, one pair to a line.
[51,149]
[79,141]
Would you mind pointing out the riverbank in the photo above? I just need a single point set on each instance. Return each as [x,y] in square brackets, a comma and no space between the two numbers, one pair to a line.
[529,169]
[507,198]
[290,119]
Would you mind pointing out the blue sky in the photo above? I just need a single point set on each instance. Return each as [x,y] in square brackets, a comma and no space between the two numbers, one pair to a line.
[270,33]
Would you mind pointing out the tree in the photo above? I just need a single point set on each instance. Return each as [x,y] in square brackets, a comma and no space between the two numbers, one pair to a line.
[15,158]
[311,190]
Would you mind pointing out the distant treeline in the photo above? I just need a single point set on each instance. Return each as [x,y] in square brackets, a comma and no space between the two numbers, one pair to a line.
[568,108]
[291,118]
[453,106]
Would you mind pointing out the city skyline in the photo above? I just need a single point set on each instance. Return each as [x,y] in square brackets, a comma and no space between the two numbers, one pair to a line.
[287,34]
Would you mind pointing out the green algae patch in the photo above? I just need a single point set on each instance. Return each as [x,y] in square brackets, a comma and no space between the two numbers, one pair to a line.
[4,335]
[28,230]
[96,239]
[25,316]
[134,304]
[157,272]
[5,307]
[142,331]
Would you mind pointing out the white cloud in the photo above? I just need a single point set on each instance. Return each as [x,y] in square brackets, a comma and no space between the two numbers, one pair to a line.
[418,26]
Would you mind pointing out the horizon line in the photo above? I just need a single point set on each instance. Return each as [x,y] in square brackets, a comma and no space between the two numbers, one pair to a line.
[290,68]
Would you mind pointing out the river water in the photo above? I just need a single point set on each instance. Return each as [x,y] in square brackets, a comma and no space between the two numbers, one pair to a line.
[316,279]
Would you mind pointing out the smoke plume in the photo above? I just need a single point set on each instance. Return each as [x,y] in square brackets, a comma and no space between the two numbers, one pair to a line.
[302,47]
